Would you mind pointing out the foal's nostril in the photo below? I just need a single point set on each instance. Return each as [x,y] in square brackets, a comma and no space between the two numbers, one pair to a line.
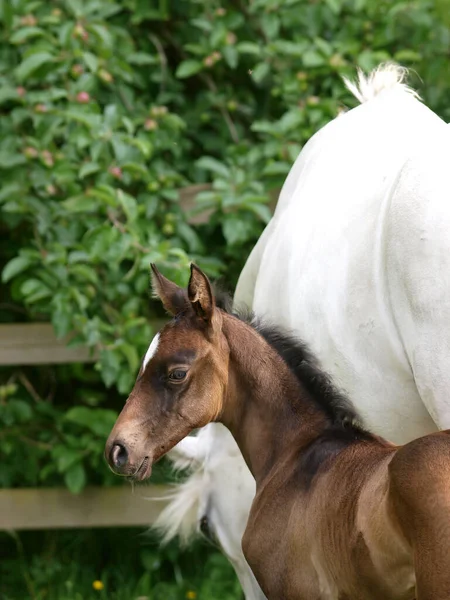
[119,455]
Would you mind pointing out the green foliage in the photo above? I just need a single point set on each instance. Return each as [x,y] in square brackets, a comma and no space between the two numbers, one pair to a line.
[127,565]
[53,427]
[109,108]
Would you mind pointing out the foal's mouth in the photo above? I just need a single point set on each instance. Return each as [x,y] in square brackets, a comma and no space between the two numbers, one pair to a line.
[143,471]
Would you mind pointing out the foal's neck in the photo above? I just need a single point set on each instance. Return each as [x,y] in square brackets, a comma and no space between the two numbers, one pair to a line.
[266,409]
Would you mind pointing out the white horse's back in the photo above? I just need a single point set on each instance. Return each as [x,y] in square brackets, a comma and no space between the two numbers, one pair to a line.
[325,265]
[356,262]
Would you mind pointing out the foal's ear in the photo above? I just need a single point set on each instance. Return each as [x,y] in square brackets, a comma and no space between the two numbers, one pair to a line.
[200,294]
[173,297]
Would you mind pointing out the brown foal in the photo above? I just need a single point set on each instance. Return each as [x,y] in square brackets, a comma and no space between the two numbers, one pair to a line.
[339,513]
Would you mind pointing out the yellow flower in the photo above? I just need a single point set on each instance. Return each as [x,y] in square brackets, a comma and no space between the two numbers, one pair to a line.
[97,585]
[191,595]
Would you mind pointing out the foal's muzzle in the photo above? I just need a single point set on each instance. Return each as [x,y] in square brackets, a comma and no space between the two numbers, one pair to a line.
[124,461]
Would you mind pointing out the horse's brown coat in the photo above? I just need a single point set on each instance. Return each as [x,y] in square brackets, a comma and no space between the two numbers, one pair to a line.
[339,514]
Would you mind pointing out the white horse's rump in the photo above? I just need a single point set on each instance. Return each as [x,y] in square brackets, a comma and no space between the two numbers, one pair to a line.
[356,262]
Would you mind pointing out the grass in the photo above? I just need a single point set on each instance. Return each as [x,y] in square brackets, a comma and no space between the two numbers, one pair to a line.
[123,564]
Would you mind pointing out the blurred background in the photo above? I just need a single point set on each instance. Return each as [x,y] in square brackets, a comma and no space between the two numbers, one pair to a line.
[138,131]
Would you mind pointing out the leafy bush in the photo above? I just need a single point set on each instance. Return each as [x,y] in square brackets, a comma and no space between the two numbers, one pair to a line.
[108,109]
[114,564]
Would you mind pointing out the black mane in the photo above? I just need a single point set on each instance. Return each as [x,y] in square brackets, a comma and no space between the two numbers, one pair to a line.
[318,384]
[314,380]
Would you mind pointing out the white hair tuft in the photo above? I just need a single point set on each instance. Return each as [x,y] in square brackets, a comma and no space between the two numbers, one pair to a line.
[387,76]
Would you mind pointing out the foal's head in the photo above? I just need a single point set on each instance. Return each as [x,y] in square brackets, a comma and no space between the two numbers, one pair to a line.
[182,382]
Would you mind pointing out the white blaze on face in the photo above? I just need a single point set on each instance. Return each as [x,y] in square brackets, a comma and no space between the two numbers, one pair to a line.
[151,351]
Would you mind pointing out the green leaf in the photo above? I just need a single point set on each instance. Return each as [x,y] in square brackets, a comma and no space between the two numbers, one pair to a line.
[21,410]
[88,169]
[212,164]
[231,56]
[103,34]
[10,159]
[277,168]
[270,23]
[128,204]
[312,58]
[9,191]
[66,457]
[98,420]
[15,266]
[75,478]
[144,146]
[131,355]
[90,120]
[188,68]
[21,35]
[236,230]
[249,48]
[7,11]
[294,49]
[32,286]
[407,55]
[28,66]
[335,5]
[8,93]
[260,72]
[91,61]
[84,272]
[141,58]
[262,210]
[80,204]
[62,321]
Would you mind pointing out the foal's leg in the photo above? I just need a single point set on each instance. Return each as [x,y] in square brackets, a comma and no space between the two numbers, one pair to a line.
[420,499]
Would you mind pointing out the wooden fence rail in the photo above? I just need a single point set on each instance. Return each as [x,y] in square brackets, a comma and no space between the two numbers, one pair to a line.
[57,508]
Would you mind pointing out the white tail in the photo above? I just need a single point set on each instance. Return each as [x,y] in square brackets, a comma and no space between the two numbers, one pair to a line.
[388,76]
[180,517]
[212,446]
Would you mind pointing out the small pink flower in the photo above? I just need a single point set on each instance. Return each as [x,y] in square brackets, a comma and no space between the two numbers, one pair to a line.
[40,108]
[21,91]
[83,98]
[158,111]
[231,38]
[80,32]
[51,190]
[150,125]
[313,100]
[28,21]
[105,76]
[116,172]
[47,158]
[77,70]
[30,152]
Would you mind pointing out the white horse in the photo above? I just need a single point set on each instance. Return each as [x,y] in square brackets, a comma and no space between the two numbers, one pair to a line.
[356,261]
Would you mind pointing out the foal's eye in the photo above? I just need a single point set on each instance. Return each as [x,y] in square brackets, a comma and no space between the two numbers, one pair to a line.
[177,375]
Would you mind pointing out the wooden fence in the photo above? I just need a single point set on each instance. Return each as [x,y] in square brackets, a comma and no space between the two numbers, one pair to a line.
[52,508]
